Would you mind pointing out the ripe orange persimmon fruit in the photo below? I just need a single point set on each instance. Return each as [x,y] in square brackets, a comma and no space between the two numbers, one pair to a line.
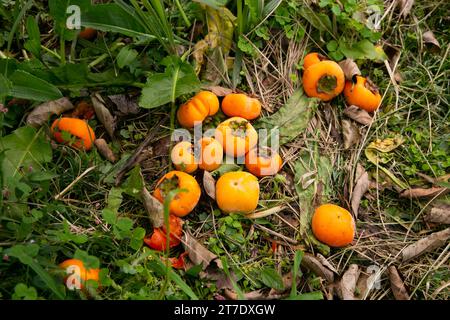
[183,157]
[263,161]
[184,202]
[80,129]
[237,136]
[324,80]
[363,94]
[333,225]
[78,266]
[194,111]
[158,240]
[211,154]
[237,192]
[88,33]
[241,105]
[312,58]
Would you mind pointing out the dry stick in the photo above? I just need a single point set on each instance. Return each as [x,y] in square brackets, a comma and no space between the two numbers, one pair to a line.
[279,235]
[132,161]
[74,182]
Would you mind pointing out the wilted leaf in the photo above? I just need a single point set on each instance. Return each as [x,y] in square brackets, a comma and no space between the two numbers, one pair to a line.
[314,265]
[358,114]
[429,38]
[43,112]
[105,150]
[198,253]
[348,282]
[439,213]
[361,187]
[292,119]
[351,134]
[397,285]
[405,7]
[350,69]
[218,91]
[154,208]
[424,192]
[209,184]
[103,114]
[125,105]
[375,152]
[425,245]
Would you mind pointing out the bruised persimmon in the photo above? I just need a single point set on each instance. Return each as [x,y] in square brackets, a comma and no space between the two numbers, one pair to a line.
[324,80]
[333,225]
[237,192]
[237,136]
[88,33]
[194,111]
[158,239]
[211,154]
[83,134]
[363,94]
[184,202]
[241,105]
[183,157]
[312,58]
[263,161]
[78,273]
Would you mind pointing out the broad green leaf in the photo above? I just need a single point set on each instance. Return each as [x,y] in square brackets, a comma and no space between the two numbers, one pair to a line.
[295,271]
[271,278]
[109,216]
[115,199]
[292,119]
[134,183]
[224,168]
[126,56]
[58,10]
[23,292]
[33,44]
[319,21]
[137,238]
[5,87]
[30,87]
[162,88]
[88,260]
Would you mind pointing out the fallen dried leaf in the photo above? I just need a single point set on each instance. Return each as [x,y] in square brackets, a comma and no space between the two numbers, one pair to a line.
[397,286]
[105,150]
[361,187]
[209,184]
[313,264]
[43,112]
[198,253]
[405,7]
[423,192]
[325,262]
[154,208]
[429,38]
[351,134]
[366,282]
[350,68]
[425,245]
[348,282]
[265,213]
[358,114]
[125,105]
[103,114]
[218,91]
[439,213]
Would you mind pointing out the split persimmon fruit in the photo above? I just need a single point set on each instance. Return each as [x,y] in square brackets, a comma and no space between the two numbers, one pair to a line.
[241,105]
[237,136]
[363,93]
[83,134]
[183,157]
[158,239]
[185,201]
[333,225]
[194,111]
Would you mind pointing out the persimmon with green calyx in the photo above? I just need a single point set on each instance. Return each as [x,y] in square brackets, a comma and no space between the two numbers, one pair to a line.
[324,80]
[237,192]
[83,134]
[241,105]
[363,93]
[184,201]
[237,136]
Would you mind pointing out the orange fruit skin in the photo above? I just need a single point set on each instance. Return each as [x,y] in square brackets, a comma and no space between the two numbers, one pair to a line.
[85,274]
[158,240]
[237,192]
[183,158]
[357,94]
[262,166]
[197,109]
[184,202]
[315,72]
[232,144]
[311,59]
[211,154]
[76,127]
[241,105]
[333,225]
[88,33]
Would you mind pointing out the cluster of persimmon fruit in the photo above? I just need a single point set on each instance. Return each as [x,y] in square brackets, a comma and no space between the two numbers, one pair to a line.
[325,79]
